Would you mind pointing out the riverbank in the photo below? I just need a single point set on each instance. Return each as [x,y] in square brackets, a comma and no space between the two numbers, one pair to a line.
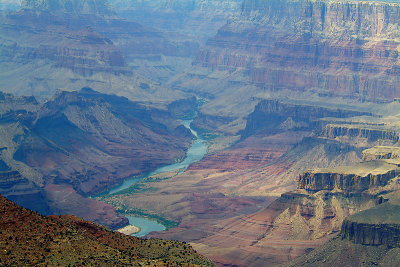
[142,219]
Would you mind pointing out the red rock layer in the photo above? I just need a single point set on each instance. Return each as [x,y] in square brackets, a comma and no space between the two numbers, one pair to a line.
[334,48]
[255,151]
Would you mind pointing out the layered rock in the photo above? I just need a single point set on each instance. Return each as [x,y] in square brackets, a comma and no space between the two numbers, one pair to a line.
[370,133]
[369,237]
[82,43]
[372,234]
[85,51]
[273,116]
[350,178]
[24,192]
[302,220]
[326,48]
[381,152]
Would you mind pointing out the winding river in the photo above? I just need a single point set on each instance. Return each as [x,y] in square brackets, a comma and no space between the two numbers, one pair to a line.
[195,153]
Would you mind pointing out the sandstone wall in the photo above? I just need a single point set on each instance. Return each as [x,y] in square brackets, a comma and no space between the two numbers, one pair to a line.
[315,181]
[335,48]
[371,234]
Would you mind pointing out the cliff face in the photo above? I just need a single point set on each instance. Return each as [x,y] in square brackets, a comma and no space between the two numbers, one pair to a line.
[28,238]
[302,220]
[370,237]
[319,180]
[273,115]
[381,152]
[380,135]
[327,48]
[371,234]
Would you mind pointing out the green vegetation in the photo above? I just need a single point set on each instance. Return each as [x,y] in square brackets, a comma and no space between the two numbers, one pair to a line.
[142,213]
[134,189]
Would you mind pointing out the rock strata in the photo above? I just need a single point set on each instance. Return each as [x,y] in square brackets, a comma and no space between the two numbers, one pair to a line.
[273,115]
[345,179]
[325,48]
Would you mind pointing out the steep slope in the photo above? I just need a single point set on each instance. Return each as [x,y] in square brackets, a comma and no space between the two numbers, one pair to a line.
[28,238]
[220,202]
[306,218]
[81,143]
[368,238]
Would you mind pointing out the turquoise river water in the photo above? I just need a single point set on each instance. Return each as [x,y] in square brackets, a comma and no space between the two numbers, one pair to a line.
[195,153]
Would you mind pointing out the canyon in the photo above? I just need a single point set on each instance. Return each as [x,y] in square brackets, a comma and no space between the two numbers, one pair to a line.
[28,238]
[298,102]
[79,144]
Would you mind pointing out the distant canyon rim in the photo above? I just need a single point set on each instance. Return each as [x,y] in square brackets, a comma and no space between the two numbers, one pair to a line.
[298,101]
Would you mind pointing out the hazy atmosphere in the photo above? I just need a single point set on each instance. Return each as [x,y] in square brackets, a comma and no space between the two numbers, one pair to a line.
[199,133]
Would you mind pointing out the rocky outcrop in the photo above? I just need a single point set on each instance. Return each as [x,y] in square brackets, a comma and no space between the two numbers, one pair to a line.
[377,226]
[272,116]
[372,234]
[204,123]
[183,108]
[300,221]
[352,131]
[348,178]
[381,152]
[370,237]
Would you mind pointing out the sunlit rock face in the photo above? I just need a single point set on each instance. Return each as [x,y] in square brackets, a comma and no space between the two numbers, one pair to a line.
[325,48]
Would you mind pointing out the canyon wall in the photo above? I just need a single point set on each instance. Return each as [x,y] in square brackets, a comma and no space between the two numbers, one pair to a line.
[273,115]
[325,48]
[316,180]
[371,234]
[48,45]
[372,134]
[79,144]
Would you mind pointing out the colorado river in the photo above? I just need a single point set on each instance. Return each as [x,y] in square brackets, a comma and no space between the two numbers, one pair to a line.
[195,153]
